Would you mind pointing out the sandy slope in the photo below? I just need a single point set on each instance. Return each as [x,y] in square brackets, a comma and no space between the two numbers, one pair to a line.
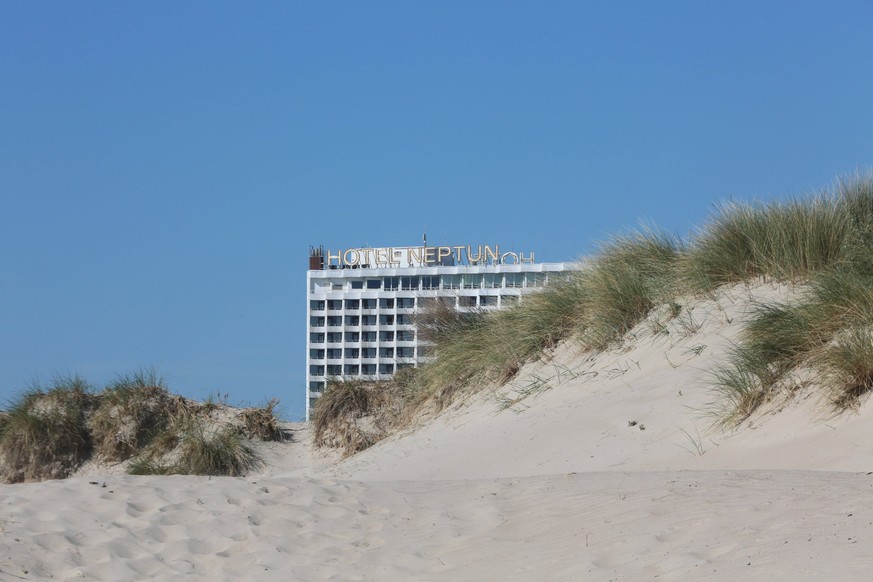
[608,470]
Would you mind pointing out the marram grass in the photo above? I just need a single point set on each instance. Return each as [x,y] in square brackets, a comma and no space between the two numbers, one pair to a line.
[50,433]
[823,243]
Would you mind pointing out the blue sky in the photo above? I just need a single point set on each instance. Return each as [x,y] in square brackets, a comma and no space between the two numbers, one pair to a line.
[164,166]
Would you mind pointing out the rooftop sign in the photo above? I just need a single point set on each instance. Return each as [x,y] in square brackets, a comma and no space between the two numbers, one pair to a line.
[423,256]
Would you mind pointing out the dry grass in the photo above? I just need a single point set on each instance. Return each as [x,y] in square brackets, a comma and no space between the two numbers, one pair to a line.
[131,413]
[344,416]
[261,423]
[825,241]
[48,434]
[44,434]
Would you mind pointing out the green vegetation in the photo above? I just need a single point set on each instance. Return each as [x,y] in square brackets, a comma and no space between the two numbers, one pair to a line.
[49,434]
[44,434]
[205,450]
[132,412]
[823,244]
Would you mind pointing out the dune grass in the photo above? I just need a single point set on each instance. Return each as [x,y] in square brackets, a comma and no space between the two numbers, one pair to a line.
[628,278]
[49,434]
[44,434]
[261,423]
[597,304]
[132,411]
[214,451]
[827,331]
[783,241]
[823,243]
[353,415]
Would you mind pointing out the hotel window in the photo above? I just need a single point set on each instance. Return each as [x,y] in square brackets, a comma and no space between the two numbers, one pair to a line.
[409,283]
[406,335]
[352,353]
[404,319]
[368,352]
[405,352]
[492,280]
[352,337]
[334,320]
[386,352]
[334,337]
[405,302]
[335,304]
[368,369]
[386,320]
[357,284]
[368,336]
[386,368]
[336,286]
[534,279]
[316,370]
[369,320]
[316,321]
[430,282]
[386,303]
[352,370]
[386,336]
[374,283]
[451,281]
[353,303]
[466,301]
[316,354]
[368,304]
[335,370]
[334,354]
[316,386]
[487,300]
[316,305]
[471,281]
[353,320]
[392,283]
[514,280]
[316,338]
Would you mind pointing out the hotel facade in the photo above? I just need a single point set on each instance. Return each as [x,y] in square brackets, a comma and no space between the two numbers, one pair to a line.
[362,303]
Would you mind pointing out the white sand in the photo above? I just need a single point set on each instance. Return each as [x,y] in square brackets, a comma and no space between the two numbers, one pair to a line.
[567,487]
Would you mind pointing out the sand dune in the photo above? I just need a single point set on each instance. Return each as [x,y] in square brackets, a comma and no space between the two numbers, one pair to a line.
[609,470]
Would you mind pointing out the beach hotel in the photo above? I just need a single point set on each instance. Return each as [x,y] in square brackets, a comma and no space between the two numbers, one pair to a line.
[362,302]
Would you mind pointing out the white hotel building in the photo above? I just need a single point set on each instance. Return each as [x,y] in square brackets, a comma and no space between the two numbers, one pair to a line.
[361,303]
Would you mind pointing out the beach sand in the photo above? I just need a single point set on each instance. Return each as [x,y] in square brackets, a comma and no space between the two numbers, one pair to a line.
[610,469]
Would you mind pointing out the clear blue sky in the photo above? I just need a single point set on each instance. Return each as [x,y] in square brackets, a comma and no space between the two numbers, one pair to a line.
[164,166]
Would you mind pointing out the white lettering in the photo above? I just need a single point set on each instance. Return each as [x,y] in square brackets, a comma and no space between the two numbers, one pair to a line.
[356,257]
[493,253]
[425,256]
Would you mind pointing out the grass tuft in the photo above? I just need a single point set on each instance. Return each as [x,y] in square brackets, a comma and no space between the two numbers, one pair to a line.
[48,434]
[261,423]
[627,279]
[44,434]
[847,366]
[207,450]
[131,413]
[337,416]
